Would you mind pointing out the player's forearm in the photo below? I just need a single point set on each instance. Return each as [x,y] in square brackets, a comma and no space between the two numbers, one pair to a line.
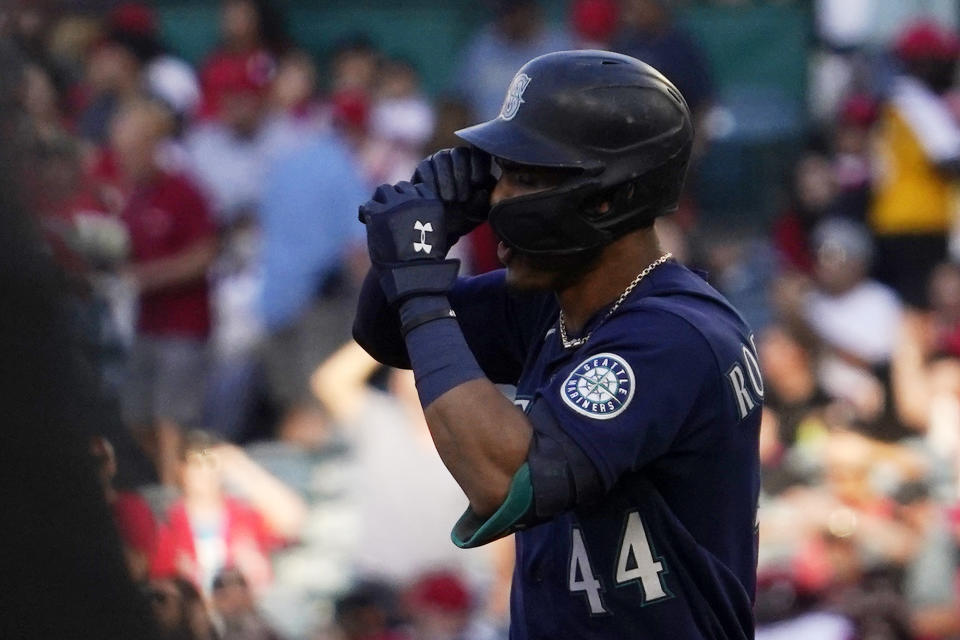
[483,438]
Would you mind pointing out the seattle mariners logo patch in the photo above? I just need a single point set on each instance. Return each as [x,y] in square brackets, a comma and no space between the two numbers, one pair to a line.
[511,104]
[600,387]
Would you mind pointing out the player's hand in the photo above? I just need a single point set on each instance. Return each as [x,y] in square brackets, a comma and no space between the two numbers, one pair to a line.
[462,179]
[407,241]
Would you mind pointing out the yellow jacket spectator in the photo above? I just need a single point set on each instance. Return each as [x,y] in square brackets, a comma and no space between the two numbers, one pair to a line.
[917,158]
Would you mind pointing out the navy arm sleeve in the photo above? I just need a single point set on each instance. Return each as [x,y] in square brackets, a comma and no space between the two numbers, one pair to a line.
[497,324]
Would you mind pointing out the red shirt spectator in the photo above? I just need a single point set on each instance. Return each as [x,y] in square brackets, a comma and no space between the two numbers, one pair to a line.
[165,217]
[229,73]
[135,522]
[245,537]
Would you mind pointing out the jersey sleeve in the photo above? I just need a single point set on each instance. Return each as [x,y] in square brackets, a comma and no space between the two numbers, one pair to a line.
[497,325]
[616,407]
[624,400]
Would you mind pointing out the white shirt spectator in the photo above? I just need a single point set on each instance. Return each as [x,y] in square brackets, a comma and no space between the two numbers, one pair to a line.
[863,321]
[405,499]
[232,169]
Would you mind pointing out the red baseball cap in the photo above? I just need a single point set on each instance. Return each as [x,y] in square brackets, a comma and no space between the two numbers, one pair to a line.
[595,20]
[239,74]
[926,40]
[133,18]
[858,110]
[442,590]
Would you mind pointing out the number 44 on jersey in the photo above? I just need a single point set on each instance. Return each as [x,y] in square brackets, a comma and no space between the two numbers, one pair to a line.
[635,563]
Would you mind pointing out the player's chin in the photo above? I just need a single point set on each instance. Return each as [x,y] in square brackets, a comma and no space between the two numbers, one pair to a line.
[525,274]
[533,273]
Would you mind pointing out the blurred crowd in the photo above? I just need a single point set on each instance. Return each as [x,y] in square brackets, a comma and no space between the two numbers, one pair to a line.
[269,480]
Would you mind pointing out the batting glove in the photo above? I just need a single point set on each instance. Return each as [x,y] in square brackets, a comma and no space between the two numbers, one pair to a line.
[407,241]
[462,179]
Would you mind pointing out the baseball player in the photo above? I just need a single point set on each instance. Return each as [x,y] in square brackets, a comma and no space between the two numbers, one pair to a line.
[627,464]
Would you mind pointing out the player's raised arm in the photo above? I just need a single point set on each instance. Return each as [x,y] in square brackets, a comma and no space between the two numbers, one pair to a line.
[408,241]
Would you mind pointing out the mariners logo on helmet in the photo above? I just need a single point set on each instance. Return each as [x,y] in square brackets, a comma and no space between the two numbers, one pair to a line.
[600,387]
[511,104]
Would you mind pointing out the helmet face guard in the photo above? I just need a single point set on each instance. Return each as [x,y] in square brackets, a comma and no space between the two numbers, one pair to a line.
[617,121]
[548,222]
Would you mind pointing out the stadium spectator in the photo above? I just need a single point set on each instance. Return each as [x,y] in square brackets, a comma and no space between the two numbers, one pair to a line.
[231,153]
[439,606]
[113,76]
[368,611]
[253,37]
[814,196]
[236,610]
[594,22]
[293,93]
[401,123]
[90,245]
[852,160]
[854,355]
[179,610]
[650,33]
[488,62]
[165,76]
[41,103]
[131,512]
[930,578]
[794,406]
[130,62]
[172,243]
[918,161]
[741,264]
[209,529]
[390,456]
[312,257]
[925,369]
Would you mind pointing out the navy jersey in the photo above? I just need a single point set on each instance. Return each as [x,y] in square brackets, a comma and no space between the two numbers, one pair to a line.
[662,405]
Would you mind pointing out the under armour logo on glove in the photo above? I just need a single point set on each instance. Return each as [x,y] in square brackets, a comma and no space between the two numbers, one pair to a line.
[404,222]
[422,245]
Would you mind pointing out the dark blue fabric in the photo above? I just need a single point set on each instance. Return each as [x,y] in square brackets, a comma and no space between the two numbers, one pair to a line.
[417,278]
[498,325]
[678,455]
[441,359]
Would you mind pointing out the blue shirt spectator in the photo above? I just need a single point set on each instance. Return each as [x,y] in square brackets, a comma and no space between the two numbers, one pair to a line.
[494,55]
[309,221]
[651,34]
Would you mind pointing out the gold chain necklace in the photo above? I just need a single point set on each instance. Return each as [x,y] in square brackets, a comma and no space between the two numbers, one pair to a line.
[579,342]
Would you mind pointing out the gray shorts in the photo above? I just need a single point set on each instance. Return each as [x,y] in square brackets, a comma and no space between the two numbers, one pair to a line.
[166,379]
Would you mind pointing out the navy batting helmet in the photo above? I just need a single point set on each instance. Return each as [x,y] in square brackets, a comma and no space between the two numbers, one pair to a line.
[618,123]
